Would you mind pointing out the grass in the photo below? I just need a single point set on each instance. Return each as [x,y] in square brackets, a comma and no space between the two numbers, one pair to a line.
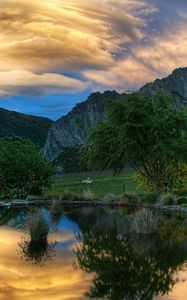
[101,185]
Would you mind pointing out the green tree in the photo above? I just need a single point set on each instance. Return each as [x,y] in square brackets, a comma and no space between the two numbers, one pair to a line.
[150,136]
[22,167]
[71,160]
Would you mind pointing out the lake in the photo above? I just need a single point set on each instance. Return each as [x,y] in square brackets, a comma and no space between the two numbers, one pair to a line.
[89,254]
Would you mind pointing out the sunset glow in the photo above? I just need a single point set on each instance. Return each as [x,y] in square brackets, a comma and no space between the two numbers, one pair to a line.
[80,46]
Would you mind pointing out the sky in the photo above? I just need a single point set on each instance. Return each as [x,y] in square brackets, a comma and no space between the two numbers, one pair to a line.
[54,53]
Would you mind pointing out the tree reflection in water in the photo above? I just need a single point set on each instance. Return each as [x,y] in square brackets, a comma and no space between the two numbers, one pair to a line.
[37,252]
[128,267]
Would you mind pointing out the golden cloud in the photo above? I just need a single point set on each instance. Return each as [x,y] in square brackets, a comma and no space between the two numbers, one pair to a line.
[145,63]
[62,35]
[104,41]
[39,37]
[22,82]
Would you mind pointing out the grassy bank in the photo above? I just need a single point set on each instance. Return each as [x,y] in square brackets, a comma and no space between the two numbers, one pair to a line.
[101,185]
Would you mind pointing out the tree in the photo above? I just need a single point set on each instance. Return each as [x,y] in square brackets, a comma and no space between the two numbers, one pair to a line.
[71,161]
[22,168]
[150,136]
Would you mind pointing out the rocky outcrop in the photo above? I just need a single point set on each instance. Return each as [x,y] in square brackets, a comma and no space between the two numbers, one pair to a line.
[175,86]
[71,130]
[14,124]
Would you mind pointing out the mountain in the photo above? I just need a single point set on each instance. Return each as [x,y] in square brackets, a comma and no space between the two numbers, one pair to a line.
[14,124]
[71,130]
[175,85]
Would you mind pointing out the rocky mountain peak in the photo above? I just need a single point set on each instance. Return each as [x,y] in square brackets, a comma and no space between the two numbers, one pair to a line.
[71,130]
[175,86]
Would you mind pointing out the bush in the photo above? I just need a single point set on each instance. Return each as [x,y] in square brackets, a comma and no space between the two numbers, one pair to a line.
[151,197]
[110,198]
[145,221]
[173,229]
[68,195]
[88,195]
[38,227]
[53,196]
[181,200]
[13,193]
[70,159]
[129,198]
[168,199]
[22,167]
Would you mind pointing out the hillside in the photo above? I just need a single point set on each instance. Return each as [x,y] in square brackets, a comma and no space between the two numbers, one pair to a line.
[175,85]
[14,124]
[71,129]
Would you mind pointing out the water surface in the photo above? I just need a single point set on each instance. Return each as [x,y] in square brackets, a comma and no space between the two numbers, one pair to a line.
[89,255]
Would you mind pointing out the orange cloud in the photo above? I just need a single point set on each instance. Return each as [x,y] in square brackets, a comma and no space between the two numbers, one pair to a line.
[145,62]
[50,35]
[57,36]
[109,42]
[22,82]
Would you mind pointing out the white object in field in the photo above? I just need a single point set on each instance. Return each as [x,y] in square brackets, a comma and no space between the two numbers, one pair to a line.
[87,181]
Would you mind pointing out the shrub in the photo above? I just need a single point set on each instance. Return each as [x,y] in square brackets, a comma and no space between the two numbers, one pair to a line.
[151,197]
[68,195]
[53,196]
[110,198]
[129,198]
[145,221]
[23,167]
[12,193]
[88,195]
[173,229]
[181,200]
[173,178]
[168,199]
[38,227]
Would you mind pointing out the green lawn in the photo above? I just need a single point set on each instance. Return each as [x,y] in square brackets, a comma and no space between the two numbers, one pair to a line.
[101,185]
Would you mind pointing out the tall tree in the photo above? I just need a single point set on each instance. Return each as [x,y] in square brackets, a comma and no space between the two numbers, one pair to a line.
[150,136]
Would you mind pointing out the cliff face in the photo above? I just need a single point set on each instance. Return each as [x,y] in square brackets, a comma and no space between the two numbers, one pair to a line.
[71,129]
[175,85]
[14,124]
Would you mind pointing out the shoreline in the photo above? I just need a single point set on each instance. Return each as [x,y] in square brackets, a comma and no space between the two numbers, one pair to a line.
[175,209]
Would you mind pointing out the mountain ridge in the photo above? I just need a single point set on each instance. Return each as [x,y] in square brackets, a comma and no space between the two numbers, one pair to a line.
[70,130]
[16,124]
[174,85]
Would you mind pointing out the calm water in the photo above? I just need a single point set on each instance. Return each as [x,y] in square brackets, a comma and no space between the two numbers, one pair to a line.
[88,255]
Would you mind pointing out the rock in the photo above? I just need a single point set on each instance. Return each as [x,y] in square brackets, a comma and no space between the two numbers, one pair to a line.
[175,86]
[71,130]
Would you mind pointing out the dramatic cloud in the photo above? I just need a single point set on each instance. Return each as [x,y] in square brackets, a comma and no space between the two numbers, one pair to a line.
[21,82]
[63,35]
[146,62]
[61,46]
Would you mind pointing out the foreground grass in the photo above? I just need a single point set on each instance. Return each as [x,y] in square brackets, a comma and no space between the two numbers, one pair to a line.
[101,185]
